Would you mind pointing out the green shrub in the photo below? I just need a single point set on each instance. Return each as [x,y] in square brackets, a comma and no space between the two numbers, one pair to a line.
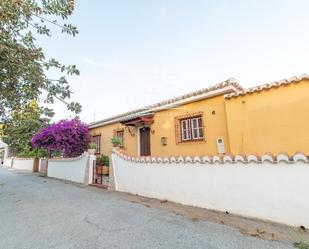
[41,153]
[92,146]
[105,160]
[301,245]
[116,141]
[26,153]
[99,161]
[29,152]
[102,160]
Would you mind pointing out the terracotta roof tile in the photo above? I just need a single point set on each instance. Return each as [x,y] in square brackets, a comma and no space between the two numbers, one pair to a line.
[266,86]
[144,110]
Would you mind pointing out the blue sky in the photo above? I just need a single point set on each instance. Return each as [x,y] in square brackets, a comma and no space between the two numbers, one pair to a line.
[137,52]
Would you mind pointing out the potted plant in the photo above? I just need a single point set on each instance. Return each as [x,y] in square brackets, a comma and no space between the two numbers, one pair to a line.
[92,148]
[116,141]
[105,161]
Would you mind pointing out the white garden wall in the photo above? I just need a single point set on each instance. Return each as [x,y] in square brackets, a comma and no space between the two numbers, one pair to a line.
[272,190]
[7,161]
[23,163]
[71,169]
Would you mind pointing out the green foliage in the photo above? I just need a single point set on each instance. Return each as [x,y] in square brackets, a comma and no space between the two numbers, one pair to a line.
[20,127]
[23,64]
[28,152]
[1,130]
[116,141]
[55,154]
[105,160]
[301,245]
[102,160]
[92,146]
[98,161]
[41,153]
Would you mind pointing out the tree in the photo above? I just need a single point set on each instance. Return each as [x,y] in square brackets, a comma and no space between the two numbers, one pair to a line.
[1,130]
[23,65]
[19,129]
[69,138]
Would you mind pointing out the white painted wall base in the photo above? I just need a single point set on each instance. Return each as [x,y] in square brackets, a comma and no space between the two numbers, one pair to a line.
[71,169]
[7,162]
[277,192]
[23,164]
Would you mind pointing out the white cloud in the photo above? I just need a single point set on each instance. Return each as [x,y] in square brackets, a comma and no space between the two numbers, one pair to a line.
[94,63]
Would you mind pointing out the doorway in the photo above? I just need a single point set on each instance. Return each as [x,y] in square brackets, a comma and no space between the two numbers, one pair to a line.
[144,141]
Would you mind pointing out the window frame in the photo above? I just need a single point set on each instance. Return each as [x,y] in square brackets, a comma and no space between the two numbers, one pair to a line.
[185,133]
[194,128]
[121,137]
[97,140]
[198,128]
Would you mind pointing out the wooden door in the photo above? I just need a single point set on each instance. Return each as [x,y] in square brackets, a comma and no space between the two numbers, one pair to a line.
[144,141]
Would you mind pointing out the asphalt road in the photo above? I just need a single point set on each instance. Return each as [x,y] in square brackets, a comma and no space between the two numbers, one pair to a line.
[41,213]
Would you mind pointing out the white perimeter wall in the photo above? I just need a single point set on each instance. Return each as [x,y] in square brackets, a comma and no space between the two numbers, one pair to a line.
[7,161]
[278,192]
[23,164]
[72,169]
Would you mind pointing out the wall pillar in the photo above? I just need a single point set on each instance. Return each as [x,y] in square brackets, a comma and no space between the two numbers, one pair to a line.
[111,183]
[89,169]
[6,151]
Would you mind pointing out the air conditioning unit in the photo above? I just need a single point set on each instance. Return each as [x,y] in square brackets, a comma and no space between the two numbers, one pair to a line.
[220,145]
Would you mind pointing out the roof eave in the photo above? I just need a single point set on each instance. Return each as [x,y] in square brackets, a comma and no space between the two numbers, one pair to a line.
[221,91]
[267,86]
[214,93]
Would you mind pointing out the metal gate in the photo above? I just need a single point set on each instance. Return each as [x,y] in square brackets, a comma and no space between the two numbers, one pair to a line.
[97,176]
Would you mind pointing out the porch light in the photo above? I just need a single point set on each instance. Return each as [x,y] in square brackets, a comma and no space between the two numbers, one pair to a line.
[164,141]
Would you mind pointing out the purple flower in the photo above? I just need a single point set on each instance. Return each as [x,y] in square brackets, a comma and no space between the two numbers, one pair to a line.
[67,137]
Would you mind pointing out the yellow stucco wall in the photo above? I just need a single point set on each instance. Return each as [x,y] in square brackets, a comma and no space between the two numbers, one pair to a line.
[273,120]
[107,132]
[164,126]
[215,127]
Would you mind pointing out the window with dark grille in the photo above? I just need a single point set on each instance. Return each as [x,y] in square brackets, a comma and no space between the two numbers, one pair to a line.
[120,134]
[191,128]
[97,141]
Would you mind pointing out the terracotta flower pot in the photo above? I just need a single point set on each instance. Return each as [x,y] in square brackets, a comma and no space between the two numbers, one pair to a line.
[91,151]
[99,170]
[105,170]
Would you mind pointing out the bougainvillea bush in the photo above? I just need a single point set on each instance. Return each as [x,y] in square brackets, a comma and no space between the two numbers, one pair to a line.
[69,138]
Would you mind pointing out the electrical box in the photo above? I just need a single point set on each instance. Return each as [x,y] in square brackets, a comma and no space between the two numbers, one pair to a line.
[220,146]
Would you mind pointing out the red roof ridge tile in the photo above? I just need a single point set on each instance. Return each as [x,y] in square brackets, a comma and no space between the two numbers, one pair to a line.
[267,86]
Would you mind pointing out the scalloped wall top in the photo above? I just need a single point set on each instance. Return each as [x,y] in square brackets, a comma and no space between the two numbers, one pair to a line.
[282,157]
[70,158]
